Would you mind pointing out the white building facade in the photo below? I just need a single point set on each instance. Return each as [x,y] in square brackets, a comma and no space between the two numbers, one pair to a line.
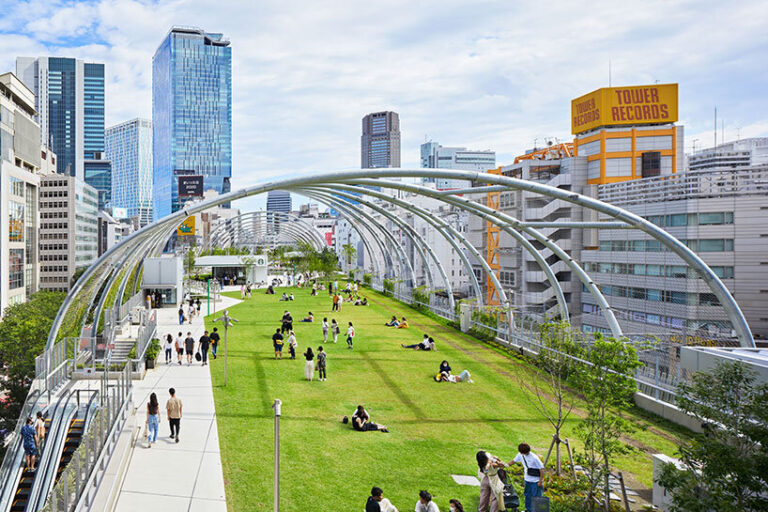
[435,156]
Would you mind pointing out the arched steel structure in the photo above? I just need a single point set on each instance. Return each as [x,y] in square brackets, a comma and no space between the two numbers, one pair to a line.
[338,189]
[258,223]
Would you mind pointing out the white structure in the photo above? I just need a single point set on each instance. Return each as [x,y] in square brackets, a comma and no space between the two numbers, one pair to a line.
[111,231]
[164,275]
[69,229]
[20,163]
[435,156]
[731,155]
[243,268]
[129,148]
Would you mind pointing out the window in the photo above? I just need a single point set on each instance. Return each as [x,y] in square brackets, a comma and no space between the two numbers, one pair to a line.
[656,142]
[16,221]
[15,268]
[618,167]
[715,245]
[615,145]
[593,169]
[677,220]
[590,148]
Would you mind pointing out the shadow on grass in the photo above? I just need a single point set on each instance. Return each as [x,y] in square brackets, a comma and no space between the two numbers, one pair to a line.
[392,385]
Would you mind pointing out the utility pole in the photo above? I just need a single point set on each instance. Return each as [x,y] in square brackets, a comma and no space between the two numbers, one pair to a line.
[227,324]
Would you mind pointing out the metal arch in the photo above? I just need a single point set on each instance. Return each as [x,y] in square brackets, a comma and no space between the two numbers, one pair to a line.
[237,222]
[227,236]
[404,258]
[490,215]
[424,215]
[374,259]
[728,303]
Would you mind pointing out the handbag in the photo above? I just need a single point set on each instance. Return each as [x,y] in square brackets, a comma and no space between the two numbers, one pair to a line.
[198,356]
[531,471]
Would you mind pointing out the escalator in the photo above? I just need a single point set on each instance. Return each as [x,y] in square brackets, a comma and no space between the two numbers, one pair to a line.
[71,443]
[26,480]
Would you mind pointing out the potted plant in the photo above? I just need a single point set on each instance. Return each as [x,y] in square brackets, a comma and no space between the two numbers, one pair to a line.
[151,353]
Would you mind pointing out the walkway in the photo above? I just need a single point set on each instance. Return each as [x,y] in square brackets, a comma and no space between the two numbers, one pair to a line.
[183,477]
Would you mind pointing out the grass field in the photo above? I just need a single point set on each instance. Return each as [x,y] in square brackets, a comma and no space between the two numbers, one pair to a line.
[435,428]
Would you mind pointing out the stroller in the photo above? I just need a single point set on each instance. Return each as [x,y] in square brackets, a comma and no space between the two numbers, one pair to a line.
[511,499]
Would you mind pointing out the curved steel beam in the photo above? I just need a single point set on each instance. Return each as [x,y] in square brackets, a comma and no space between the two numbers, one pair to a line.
[227,236]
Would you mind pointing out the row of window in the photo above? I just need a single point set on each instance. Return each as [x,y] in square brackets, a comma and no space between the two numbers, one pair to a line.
[643,269]
[620,144]
[54,215]
[691,219]
[54,268]
[54,257]
[653,295]
[54,193]
[639,316]
[698,245]
[54,204]
[54,247]
[54,225]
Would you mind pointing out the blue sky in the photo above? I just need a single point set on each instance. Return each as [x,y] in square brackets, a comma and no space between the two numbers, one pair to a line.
[481,74]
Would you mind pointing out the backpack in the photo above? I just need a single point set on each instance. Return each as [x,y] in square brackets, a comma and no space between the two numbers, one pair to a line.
[511,499]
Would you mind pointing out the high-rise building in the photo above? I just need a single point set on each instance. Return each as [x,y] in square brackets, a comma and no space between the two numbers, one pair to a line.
[69,99]
[731,155]
[279,201]
[380,142]
[68,229]
[191,117]
[129,149]
[435,156]
[21,162]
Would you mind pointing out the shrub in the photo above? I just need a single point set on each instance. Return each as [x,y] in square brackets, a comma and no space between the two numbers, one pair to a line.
[367,278]
[152,350]
[488,321]
[420,298]
[389,287]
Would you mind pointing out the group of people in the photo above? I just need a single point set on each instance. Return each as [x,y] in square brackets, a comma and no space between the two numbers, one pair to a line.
[378,503]
[187,346]
[193,309]
[32,435]
[173,409]
[399,324]
[278,341]
[427,343]
[286,297]
[245,290]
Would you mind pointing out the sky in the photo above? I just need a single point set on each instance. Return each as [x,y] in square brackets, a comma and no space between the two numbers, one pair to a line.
[496,75]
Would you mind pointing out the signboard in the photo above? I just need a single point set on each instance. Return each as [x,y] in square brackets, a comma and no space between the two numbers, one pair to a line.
[191,186]
[618,106]
[120,213]
[186,228]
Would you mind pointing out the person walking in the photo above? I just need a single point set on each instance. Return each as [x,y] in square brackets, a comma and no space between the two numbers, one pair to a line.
[153,419]
[321,356]
[350,335]
[168,348]
[533,473]
[215,341]
[173,411]
[325,330]
[198,305]
[292,344]
[335,305]
[179,343]
[189,347]
[242,291]
[335,330]
[309,366]
[39,429]
[191,312]
[181,315]
[205,343]
[341,301]
[29,436]
[277,343]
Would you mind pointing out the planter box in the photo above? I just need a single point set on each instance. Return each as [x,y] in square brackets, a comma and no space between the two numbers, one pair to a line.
[150,364]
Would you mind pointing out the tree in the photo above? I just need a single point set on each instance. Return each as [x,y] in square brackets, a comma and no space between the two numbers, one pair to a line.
[23,334]
[189,261]
[548,388]
[607,386]
[350,252]
[726,467]
[79,271]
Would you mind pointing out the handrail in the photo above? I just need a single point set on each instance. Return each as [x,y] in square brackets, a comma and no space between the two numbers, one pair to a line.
[15,452]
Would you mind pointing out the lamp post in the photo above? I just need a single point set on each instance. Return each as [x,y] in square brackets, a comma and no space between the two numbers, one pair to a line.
[227,324]
[276,406]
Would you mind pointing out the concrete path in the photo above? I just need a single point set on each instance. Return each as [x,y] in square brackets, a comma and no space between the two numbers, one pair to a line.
[171,477]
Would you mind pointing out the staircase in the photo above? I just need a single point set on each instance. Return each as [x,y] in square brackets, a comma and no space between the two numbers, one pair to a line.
[122,347]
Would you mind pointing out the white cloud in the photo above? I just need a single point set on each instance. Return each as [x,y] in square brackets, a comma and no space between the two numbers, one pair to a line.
[482,74]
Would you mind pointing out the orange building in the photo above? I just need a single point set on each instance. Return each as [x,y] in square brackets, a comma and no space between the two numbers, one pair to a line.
[628,133]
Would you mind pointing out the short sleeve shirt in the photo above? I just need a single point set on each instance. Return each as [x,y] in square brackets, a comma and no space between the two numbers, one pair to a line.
[277,339]
[531,461]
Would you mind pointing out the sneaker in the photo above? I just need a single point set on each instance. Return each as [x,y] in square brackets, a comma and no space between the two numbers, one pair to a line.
[172,436]
[149,445]
[177,439]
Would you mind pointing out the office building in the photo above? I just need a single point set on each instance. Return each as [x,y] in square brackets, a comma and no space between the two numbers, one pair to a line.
[21,160]
[435,156]
[129,149]
[279,201]
[191,117]
[69,229]
[380,142]
[731,155]
[70,110]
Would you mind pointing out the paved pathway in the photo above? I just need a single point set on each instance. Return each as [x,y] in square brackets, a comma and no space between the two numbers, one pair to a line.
[187,476]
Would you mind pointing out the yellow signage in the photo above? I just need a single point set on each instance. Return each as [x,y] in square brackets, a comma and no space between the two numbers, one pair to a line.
[187,227]
[617,106]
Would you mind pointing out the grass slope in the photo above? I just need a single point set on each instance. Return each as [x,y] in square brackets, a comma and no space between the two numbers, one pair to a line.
[435,428]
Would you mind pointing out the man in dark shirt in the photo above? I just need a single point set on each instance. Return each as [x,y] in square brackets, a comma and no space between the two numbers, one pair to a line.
[277,341]
[205,342]
[373,500]
[214,341]
[189,347]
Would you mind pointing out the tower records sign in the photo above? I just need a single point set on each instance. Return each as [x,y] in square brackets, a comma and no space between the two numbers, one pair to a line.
[191,186]
[618,106]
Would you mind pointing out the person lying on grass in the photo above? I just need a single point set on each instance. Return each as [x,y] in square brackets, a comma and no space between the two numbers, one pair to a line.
[464,376]
[426,344]
[361,421]
[393,322]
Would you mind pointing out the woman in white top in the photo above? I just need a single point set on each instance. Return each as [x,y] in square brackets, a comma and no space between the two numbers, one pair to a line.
[325,330]
[350,335]
[191,312]
[168,348]
[425,503]
[335,330]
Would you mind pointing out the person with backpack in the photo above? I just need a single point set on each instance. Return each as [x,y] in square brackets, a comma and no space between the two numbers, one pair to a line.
[181,315]
[533,473]
[350,335]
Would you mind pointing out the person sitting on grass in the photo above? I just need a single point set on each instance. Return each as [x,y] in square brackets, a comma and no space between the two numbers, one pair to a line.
[456,506]
[445,367]
[378,503]
[393,322]
[270,290]
[291,297]
[464,376]
[310,318]
[284,297]
[424,345]
[425,503]
[361,421]
[403,324]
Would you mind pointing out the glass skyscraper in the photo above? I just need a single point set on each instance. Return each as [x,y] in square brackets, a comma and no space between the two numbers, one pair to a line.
[380,142]
[129,149]
[191,115]
[69,99]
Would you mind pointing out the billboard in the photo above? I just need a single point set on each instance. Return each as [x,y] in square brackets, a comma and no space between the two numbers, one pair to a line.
[191,186]
[186,228]
[618,106]
[120,213]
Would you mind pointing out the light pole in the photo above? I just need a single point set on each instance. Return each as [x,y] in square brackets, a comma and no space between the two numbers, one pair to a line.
[227,324]
[276,407]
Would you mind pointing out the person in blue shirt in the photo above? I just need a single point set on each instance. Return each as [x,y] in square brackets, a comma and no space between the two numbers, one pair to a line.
[30,444]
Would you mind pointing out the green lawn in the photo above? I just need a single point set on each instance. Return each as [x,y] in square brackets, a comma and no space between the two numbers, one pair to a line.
[436,429]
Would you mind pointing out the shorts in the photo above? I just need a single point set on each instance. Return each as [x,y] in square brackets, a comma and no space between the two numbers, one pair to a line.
[190,351]
[278,348]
